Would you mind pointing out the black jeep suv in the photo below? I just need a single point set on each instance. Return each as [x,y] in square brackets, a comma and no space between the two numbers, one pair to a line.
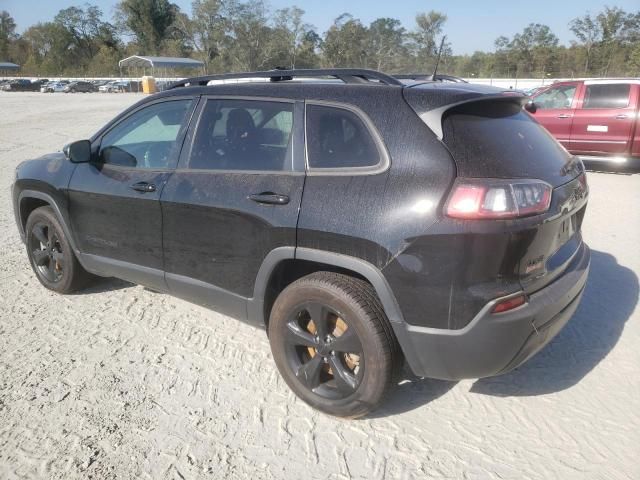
[362,221]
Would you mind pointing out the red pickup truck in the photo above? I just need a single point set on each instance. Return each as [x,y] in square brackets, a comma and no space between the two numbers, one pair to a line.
[594,119]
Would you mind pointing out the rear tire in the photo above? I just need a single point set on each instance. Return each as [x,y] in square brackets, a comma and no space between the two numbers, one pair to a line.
[51,255]
[333,344]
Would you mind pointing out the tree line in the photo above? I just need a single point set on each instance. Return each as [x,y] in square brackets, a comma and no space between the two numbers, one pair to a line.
[236,35]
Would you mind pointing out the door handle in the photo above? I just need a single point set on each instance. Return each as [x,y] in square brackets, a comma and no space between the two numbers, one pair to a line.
[564,115]
[621,116]
[269,198]
[144,187]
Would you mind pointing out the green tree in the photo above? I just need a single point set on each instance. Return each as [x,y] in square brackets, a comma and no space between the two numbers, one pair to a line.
[7,33]
[619,29]
[290,34]
[248,44]
[87,30]
[345,43]
[386,44]
[534,48]
[634,60]
[308,56]
[207,29]
[49,46]
[502,59]
[105,62]
[429,26]
[149,21]
[588,31]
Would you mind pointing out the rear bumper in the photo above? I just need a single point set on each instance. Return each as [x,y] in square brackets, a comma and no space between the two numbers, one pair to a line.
[496,343]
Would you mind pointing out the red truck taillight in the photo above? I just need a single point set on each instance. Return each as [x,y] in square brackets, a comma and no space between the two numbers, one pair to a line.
[498,198]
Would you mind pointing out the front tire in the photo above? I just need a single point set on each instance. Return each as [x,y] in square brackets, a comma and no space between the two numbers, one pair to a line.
[333,343]
[50,253]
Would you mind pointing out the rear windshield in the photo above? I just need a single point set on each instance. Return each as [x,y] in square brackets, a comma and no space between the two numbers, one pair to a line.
[499,139]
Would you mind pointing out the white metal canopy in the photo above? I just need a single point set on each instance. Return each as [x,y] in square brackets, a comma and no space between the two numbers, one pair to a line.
[159,62]
[8,66]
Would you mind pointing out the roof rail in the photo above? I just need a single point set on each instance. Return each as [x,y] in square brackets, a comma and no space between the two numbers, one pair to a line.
[439,77]
[347,75]
[413,76]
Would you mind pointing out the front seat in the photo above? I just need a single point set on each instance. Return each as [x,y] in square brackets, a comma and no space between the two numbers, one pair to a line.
[242,140]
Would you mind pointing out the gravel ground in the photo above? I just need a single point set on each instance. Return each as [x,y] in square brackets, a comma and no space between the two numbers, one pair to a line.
[121,382]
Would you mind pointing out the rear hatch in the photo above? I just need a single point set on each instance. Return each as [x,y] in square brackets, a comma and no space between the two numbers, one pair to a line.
[489,135]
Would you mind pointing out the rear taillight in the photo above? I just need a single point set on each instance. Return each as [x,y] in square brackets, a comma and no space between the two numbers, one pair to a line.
[509,304]
[497,198]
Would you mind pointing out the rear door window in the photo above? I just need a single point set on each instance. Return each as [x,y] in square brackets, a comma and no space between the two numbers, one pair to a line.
[250,135]
[338,138]
[614,95]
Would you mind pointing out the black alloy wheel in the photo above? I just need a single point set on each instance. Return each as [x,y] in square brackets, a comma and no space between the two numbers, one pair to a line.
[46,252]
[50,253]
[333,344]
[323,351]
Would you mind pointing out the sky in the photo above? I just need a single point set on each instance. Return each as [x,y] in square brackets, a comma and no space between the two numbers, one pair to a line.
[471,25]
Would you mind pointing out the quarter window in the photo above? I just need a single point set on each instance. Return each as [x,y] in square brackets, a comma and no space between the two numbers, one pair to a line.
[147,138]
[613,95]
[243,135]
[556,97]
[338,138]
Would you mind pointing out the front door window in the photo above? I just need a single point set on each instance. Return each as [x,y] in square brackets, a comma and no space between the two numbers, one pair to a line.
[147,138]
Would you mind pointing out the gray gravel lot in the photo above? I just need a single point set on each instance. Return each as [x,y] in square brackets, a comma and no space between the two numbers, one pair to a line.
[121,382]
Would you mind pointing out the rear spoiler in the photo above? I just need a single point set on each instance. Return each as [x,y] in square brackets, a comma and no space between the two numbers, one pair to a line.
[432,117]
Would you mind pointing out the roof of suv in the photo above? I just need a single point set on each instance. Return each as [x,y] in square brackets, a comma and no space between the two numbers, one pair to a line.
[291,90]
[340,85]
[346,75]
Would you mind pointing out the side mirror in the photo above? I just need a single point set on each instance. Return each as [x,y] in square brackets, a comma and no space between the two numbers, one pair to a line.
[530,106]
[78,152]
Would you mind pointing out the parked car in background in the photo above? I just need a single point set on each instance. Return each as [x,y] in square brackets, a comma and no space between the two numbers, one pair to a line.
[23,85]
[130,86]
[53,87]
[597,119]
[115,86]
[107,87]
[80,86]
[353,220]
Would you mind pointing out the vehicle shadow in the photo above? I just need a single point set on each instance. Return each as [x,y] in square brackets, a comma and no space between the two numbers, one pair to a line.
[410,393]
[102,285]
[609,300]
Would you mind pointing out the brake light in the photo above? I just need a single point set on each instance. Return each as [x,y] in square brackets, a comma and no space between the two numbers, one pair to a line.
[497,198]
